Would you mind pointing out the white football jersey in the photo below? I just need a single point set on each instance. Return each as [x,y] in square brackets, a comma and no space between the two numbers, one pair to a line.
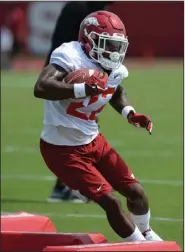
[73,121]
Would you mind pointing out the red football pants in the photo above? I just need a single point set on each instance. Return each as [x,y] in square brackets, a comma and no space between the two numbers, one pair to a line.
[93,169]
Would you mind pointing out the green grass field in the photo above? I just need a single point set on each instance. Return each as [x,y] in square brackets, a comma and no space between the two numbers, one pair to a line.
[156,160]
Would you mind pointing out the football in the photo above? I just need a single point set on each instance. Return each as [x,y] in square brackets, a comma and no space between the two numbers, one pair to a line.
[81,75]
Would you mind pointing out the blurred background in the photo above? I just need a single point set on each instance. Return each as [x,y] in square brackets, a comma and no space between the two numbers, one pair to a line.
[155,29]
[155,86]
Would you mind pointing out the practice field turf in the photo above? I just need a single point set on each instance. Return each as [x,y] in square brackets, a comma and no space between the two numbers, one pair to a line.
[156,160]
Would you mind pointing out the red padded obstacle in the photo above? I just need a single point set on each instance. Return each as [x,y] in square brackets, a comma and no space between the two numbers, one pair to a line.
[29,232]
[23,221]
[29,241]
[125,246]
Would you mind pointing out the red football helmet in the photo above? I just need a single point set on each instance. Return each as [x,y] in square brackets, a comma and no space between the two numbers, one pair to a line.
[103,36]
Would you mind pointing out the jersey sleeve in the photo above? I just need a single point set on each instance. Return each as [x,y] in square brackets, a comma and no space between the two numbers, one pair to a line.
[60,57]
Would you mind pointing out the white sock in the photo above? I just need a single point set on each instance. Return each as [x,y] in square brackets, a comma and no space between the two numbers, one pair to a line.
[135,236]
[142,221]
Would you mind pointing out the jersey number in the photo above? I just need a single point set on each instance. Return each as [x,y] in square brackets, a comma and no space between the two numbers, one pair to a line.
[74,106]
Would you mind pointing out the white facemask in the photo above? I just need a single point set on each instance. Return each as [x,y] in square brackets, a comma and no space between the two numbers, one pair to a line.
[108,51]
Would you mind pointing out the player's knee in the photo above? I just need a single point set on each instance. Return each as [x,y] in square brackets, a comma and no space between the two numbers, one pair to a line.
[137,194]
[110,203]
[137,201]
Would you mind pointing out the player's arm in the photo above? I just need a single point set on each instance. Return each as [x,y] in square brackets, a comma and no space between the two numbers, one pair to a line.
[119,99]
[51,86]
[122,105]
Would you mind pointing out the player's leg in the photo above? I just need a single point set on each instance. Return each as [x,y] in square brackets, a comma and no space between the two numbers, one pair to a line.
[74,165]
[117,173]
[120,222]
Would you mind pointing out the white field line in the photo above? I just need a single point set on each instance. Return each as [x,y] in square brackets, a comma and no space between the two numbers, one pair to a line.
[127,153]
[32,177]
[95,216]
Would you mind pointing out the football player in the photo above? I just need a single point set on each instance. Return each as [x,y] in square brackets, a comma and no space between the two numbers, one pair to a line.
[71,145]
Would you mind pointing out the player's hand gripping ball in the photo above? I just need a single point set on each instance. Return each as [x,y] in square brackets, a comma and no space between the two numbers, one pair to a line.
[95,80]
[140,120]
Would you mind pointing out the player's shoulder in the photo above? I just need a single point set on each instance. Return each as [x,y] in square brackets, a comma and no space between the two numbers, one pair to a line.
[72,55]
[70,49]
[66,55]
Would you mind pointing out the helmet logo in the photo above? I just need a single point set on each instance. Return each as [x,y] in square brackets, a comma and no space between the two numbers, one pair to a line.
[91,21]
